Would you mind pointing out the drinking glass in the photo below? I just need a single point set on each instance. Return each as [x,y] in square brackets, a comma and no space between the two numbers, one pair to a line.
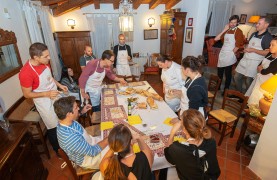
[5,124]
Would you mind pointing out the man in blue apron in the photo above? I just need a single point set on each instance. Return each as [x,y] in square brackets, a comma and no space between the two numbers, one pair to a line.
[92,77]
[123,55]
[88,55]
[232,38]
[37,82]
[257,48]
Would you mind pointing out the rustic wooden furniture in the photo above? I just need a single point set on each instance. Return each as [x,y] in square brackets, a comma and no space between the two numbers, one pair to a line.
[251,123]
[229,114]
[77,172]
[21,111]
[213,53]
[19,158]
[72,45]
[10,61]
[151,67]
[174,48]
[213,86]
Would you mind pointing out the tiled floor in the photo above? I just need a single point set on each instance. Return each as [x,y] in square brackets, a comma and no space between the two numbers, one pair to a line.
[232,163]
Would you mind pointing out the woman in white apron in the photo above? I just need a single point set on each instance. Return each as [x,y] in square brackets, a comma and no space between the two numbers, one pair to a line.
[122,63]
[172,79]
[248,64]
[254,92]
[198,99]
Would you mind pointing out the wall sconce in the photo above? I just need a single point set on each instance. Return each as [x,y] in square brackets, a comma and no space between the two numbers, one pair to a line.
[71,22]
[151,22]
[254,20]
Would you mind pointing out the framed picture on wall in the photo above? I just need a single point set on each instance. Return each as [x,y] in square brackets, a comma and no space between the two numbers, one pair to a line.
[150,34]
[189,32]
[243,18]
[190,21]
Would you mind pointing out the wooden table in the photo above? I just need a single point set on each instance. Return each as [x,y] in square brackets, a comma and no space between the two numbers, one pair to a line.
[254,124]
[152,122]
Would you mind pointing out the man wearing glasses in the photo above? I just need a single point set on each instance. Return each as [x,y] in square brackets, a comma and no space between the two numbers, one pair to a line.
[92,77]
[123,55]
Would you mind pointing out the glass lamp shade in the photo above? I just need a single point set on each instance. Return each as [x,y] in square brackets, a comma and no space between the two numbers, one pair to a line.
[151,22]
[126,23]
[254,19]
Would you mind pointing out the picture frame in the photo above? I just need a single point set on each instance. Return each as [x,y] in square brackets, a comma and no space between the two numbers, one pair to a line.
[190,22]
[150,34]
[189,33]
[242,19]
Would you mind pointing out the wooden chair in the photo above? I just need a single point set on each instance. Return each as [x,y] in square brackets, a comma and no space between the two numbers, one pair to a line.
[77,172]
[253,124]
[151,68]
[228,116]
[213,87]
[23,111]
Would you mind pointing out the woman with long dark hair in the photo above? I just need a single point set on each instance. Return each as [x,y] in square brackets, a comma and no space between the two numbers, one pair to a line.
[196,158]
[68,80]
[120,162]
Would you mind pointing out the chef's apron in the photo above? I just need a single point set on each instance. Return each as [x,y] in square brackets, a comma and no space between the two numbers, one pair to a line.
[93,86]
[122,64]
[254,92]
[248,64]
[44,105]
[89,161]
[88,58]
[227,56]
[172,81]
[184,105]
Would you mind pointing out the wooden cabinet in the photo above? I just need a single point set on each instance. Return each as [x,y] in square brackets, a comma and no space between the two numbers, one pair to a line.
[19,158]
[167,45]
[72,46]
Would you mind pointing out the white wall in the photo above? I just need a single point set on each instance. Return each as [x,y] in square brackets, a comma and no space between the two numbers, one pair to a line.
[10,89]
[196,9]
[264,159]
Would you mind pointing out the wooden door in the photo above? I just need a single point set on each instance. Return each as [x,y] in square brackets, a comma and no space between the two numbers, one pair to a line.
[72,45]
[165,42]
[179,26]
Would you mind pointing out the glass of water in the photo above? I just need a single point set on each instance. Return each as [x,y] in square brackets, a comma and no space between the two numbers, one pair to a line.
[5,124]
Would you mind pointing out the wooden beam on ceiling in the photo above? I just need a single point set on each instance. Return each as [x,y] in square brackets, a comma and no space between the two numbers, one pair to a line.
[116,4]
[154,3]
[97,4]
[136,3]
[51,2]
[68,6]
[171,3]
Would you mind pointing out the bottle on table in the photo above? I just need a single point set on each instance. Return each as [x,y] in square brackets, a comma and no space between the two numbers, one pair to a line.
[129,108]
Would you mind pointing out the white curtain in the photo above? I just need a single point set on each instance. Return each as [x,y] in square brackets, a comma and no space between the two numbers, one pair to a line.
[99,33]
[221,11]
[115,29]
[49,41]
[32,22]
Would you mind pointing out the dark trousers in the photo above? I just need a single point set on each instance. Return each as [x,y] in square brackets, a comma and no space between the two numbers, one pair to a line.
[52,137]
[96,108]
[228,75]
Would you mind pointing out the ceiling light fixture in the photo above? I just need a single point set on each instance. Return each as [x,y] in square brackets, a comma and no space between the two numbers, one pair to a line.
[126,18]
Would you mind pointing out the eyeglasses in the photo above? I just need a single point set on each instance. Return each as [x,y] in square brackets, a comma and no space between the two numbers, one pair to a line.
[111,60]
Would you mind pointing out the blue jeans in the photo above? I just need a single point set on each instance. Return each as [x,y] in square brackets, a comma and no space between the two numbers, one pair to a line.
[240,79]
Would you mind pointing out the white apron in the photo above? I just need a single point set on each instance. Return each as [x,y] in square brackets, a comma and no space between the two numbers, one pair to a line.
[87,60]
[254,92]
[44,105]
[89,161]
[122,64]
[93,86]
[226,56]
[248,64]
[184,105]
[172,81]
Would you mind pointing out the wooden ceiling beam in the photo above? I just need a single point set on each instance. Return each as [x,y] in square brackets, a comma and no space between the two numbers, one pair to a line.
[171,3]
[97,4]
[137,3]
[51,2]
[116,4]
[69,6]
[154,3]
